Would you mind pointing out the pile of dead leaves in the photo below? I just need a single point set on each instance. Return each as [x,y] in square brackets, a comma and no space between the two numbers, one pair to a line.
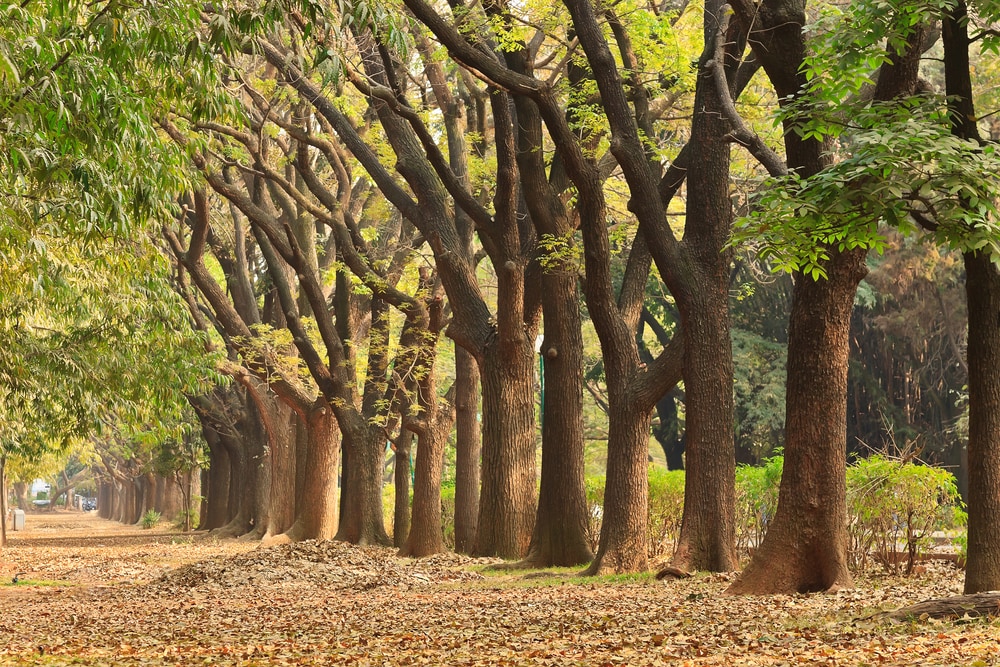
[330,564]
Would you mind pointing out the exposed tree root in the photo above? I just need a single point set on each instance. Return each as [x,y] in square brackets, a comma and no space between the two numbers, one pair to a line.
[979,604]
[670,572]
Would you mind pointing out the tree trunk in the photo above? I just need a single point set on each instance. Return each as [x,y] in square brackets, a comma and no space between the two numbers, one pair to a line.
[625,522]
[805,547]
[507,503]
[217,510]
[707,538]
[317,516]
[982,287]
[425,537]
[468,450]
[281,446]
[560,534]
[361,520]
[21,494]
[401,484]
[3,500]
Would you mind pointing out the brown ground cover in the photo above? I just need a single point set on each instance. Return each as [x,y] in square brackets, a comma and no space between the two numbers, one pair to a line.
[96,593]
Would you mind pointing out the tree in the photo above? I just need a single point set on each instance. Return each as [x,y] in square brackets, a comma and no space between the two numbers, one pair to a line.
[803,549]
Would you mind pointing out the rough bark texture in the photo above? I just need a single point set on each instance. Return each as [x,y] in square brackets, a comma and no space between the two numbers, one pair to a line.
[982,286]
[708,531]
[317,515]
[425,537]
[468,445]
[401,472]
[623,543]
[281,450]
[805,548]
[361,520]
[560,534]
[981,604]
[217,494]
[507,502]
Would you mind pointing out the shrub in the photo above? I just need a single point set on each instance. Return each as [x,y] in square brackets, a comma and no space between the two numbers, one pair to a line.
[595,509]
[187,520]
[756,501]
[448,512]
[150,519]
[893,504]
[666,507]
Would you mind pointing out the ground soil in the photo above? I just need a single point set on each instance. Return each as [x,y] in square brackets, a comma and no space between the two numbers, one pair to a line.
[96,593]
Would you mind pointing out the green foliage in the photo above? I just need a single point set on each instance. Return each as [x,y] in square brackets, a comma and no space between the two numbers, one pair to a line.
[894,504]
[150,519]
[448,513]
[666,507]
[594,486]
[903,163]
[188,519]
[756,500]
[759,393]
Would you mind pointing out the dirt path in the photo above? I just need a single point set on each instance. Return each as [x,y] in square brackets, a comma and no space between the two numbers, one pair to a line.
[102,594]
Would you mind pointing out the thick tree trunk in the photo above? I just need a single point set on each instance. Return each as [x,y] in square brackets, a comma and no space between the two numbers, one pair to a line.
[170,503]
[708,530]
[401,484]
[217,511]
[707,538]
[625,522]
[317,516]
[805,548]
[468,450]
[560,534]
[361,520]
[425,537]
[281,450]
[507,503]
[982,286]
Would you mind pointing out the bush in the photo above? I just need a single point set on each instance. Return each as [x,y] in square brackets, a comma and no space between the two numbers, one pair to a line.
[756,501]
[187,520]
[150,519]
[892,504]
[595,509]
[666,507]
[448,512]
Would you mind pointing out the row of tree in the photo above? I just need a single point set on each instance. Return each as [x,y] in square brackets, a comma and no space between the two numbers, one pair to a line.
[364,178]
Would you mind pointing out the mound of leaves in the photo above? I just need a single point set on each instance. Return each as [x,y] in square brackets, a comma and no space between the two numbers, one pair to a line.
[330,564]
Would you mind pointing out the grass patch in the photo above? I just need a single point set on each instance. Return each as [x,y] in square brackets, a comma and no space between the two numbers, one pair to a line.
[499,577]
[38,582]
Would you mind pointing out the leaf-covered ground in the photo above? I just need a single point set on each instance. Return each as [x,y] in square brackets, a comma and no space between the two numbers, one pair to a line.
[95,593]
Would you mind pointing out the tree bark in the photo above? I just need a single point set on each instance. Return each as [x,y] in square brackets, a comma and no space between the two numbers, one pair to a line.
[468,450]
[707,538]
[401,484]
[507,503]
[805,547]
[982,286]
[624,525]
[361,520]
[217,511]
[425,536]
[317,516]
[560,534]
